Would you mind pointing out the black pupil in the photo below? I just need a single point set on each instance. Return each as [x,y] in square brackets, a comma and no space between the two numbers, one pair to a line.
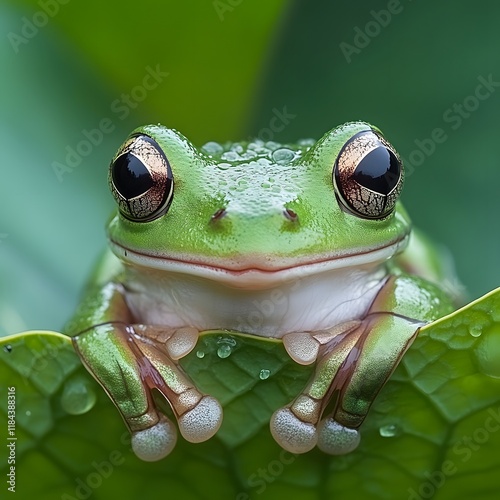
[378,171]
[130,176]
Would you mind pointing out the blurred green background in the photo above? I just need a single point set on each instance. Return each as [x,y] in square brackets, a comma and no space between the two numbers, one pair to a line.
[427,73]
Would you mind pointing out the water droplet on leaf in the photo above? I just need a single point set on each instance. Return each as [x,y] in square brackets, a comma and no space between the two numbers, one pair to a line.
[390,430]
[264,374]
[488,352]
[78,396]
[224,351]
[226,345]
[475,330]
[200,354]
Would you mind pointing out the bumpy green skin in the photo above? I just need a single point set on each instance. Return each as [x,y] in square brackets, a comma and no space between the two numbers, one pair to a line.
[253,183]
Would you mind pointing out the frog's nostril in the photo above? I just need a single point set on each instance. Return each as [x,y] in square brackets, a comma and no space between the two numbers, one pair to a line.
[290,215]
[218,215]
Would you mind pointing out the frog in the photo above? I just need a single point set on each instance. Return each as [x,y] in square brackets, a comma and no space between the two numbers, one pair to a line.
[201,236]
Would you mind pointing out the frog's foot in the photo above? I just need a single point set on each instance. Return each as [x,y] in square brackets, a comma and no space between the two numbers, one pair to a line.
[135,363]
[353,362]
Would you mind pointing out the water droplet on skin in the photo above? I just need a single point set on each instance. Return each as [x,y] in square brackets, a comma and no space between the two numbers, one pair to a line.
[475,330]
[283,156]
[272,145]
[237,148]
[248,155]
[231,156]
[390,430]
[224,351]
[77,397]
[255,145]
[264,374]
[200,354]
[488,352]
[212,148]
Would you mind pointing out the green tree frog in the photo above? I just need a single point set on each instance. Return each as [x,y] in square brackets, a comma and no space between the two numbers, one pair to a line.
[203,237]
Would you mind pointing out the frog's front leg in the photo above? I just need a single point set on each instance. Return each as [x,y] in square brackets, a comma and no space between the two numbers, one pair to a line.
[133,362]
[353,362]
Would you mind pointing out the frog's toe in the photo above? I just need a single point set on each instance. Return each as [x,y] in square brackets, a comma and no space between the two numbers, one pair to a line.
[335,438]
[202,422]
[291,433]
[182,342]
[156,442]
[177,342]
[141,362]
[301,347]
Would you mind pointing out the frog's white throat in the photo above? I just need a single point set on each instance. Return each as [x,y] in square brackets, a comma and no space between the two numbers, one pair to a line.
[309,297]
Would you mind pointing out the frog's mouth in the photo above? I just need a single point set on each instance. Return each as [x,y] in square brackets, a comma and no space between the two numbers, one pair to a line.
[256,271]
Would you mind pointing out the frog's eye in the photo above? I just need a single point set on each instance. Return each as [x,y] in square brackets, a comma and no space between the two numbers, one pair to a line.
[140,179]
[368,176]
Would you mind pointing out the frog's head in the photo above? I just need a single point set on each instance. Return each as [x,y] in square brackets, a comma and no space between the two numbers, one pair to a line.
[254,214]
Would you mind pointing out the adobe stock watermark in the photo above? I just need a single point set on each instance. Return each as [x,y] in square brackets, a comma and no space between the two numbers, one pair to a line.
[40,359]
[364,36]
[277,123]
[221,7]
[11,439]
[453,117]
[264,476]
[31,26]
[93,480]
[274,303]
[120,109]
[100,471]
[463,450]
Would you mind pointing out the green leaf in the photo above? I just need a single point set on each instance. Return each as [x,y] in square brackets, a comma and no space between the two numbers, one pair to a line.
[434,429]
